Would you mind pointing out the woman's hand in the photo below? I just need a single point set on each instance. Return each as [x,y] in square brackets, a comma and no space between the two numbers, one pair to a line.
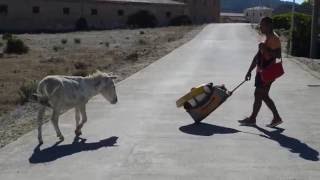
[262,47]
[248,76]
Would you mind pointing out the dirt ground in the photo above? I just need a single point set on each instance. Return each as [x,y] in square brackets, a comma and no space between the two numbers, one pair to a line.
[122,52]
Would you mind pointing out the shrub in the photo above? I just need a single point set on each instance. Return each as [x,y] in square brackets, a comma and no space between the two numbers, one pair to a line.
[170,39]
[301,33]
[80,65]
[142,42]
[26,91]
[57,48]
[7,36]
[142,19]
[16,46]
[82,73]
[180,20]
[77,40]
[64,41]
[133,56]
[1,44]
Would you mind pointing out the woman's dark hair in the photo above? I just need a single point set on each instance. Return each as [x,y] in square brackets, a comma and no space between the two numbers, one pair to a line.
[268,21]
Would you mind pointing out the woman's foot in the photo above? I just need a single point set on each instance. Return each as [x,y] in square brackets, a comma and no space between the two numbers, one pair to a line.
[248,121]
[275,122]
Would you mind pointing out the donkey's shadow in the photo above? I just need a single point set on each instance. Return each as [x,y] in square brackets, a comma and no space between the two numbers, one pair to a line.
[58,151]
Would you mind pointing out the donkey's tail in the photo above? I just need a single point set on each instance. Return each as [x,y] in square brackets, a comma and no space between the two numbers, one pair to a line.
[44,99]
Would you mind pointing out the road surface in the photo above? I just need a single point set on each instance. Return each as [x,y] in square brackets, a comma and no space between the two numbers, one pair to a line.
[146,137]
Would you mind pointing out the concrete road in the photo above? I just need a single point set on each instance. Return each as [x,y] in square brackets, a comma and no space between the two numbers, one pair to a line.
[146,137]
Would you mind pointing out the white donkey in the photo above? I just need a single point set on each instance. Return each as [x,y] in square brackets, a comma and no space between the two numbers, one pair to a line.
[66,92]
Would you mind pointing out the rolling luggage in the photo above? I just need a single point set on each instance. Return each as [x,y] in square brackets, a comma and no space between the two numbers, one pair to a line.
[201,101]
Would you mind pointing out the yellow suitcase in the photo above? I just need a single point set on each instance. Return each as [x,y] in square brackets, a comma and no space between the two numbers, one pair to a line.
[200,108]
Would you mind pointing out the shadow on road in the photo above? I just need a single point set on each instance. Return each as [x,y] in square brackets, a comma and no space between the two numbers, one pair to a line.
[204,129]
[294,145]
[58,151]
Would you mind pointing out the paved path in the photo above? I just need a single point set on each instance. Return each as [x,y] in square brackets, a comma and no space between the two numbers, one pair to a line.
[146,137]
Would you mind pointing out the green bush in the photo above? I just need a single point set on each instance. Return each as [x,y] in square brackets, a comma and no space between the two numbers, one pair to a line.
[16,46]
[77,40]
[27,90]
[7,36]
[82,73]
[180,21]
[142,42]
[64,41]
[301,31]
[57,48]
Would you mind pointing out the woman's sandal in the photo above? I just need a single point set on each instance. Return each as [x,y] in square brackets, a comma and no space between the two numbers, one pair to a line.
[274,123]
[247,122]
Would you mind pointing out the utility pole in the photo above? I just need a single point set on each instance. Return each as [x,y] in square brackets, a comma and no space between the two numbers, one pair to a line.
[292,26]
[314,29]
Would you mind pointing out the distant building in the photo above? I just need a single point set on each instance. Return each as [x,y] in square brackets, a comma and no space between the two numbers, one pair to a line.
[238,6]
[255,14]
[233,18]
[65,15]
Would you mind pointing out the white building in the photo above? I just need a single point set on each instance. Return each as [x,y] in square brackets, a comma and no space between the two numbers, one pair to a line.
[255,14]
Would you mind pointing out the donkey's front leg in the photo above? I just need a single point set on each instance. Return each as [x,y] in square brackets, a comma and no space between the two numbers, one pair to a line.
[82,109]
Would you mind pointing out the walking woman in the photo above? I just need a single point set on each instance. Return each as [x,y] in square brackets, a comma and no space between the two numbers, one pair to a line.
[268,52]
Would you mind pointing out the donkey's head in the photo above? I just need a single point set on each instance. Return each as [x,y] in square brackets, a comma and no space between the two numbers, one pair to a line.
[106,87]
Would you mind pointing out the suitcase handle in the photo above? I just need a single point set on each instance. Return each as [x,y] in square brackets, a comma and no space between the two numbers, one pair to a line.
[238,86]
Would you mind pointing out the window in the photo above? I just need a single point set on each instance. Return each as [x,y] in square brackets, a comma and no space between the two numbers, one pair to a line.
[94,11]
[3,9]
[120,12]
[66,11]
[168,14]
[36,9]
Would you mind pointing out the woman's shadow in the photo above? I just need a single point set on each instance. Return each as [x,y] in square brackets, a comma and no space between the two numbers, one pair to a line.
[58,151]
[294,145]
[204,129]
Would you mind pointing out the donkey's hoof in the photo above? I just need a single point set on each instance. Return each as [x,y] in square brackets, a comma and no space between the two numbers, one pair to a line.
[61,138]
[40,142]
